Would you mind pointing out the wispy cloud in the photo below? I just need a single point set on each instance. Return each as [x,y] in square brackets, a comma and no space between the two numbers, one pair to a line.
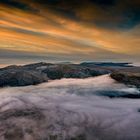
[70,30]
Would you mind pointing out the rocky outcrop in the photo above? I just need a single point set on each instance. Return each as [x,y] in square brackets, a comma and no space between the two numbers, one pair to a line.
[33,74]
[19,77]
[53,72]
[72,71]
[128,78]
[36,73]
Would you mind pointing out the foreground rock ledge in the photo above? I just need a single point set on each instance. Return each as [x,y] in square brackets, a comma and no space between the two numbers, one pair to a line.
[127,78]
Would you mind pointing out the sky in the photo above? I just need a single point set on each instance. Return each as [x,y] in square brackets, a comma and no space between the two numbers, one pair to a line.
[69,30]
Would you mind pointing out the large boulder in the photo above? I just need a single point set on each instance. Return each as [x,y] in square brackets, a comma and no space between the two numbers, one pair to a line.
[19,77]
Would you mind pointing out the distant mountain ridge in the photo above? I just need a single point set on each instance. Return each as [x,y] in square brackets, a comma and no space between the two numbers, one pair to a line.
[108,64]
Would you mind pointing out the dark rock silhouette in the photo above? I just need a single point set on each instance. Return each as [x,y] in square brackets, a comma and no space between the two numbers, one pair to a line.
[20,77]
[128,78]
[36,73]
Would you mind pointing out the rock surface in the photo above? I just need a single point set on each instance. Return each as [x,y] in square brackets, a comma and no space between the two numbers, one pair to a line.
[36,73]
[20,77]
[128,78]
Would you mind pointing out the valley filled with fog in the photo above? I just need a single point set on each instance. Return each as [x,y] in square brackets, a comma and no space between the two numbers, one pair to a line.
[70,109]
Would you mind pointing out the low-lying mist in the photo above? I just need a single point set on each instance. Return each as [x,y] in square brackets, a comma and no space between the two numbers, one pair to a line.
[70,109]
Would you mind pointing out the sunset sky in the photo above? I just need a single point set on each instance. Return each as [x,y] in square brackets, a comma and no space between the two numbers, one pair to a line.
[69,30]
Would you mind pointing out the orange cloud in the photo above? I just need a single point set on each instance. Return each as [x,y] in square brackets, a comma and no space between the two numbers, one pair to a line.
[51,33]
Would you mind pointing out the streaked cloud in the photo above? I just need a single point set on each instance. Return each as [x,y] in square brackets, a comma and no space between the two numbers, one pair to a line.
[62,30]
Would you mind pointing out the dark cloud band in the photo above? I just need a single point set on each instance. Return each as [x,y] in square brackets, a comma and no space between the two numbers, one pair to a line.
[103,13]
[17,4]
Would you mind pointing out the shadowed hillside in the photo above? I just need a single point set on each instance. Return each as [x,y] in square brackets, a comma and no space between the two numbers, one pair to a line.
[36,73]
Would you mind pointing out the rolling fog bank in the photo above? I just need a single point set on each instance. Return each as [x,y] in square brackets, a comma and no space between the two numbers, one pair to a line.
[70,109]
